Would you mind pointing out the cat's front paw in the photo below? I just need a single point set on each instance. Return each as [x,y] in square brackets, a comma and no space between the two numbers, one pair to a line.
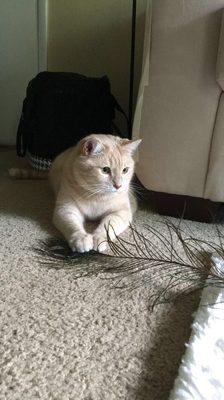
[99,243]
[81,243]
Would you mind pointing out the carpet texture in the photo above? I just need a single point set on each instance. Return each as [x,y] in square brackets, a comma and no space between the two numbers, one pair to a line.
[62,338]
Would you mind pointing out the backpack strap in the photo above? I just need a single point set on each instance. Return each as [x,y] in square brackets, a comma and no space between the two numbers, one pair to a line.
[21,143]
[24,130]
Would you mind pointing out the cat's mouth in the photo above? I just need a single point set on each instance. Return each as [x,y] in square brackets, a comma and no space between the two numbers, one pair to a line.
[116,190]
[103,191]
[110,191]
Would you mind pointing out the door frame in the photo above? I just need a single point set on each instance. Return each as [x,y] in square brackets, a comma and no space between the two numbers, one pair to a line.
[42,33]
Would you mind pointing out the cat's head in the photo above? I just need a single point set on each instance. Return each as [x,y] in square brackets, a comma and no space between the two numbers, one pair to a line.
[105,163]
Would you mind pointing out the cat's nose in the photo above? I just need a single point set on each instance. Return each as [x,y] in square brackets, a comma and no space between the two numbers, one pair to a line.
[116,185]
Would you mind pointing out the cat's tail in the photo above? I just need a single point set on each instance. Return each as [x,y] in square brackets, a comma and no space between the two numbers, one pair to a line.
[19,173]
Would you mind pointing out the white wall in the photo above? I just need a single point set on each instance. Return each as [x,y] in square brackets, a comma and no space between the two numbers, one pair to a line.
[93,38]
[18,61]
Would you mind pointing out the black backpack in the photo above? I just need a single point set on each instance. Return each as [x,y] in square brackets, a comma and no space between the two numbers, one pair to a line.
[59,110]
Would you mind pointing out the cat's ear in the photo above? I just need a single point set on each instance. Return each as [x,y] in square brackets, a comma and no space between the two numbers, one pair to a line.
[90,146]
[130,145]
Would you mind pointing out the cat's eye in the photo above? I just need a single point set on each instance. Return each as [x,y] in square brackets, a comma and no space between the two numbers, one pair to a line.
[125,170]
[106,170]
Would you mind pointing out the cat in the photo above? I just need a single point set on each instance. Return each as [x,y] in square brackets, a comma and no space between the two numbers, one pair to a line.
[91,181]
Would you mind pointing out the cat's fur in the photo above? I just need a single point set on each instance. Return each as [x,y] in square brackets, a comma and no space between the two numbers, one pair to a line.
[84,192]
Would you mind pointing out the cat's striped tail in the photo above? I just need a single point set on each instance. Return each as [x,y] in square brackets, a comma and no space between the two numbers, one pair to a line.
[20,173]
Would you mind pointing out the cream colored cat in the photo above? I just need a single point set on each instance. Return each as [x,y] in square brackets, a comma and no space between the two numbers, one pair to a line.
[91,182]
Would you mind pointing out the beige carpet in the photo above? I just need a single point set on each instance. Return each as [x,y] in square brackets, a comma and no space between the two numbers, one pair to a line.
[62,338]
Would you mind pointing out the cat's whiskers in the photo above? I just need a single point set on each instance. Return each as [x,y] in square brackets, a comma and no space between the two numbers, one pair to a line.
[93,193]
[90,188]
[138,190]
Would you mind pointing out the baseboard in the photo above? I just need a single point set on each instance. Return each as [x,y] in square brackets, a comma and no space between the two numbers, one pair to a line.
[180,206]
[187,207]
